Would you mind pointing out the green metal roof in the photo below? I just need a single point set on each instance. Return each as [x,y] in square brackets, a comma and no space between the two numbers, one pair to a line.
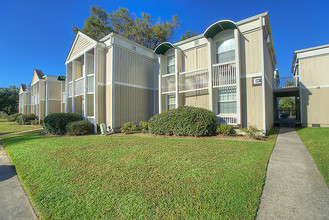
[61,78]
[218,27]
[162,48]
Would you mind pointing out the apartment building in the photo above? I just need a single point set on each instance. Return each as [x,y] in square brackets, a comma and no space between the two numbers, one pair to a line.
[111,81]
[229,69]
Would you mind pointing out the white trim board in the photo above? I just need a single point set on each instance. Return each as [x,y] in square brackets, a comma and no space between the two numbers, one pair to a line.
[315,87]
[251,75]
[133,85]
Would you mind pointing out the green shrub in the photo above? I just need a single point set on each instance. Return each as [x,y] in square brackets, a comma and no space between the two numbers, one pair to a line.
[184,121]
[143,126]
[3,115]
[25,119]
[224,129]
[13,117]
[56,123]
[128,127]
[79,128]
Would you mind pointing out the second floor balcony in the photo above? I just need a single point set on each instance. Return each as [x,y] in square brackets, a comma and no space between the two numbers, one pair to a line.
[286,83]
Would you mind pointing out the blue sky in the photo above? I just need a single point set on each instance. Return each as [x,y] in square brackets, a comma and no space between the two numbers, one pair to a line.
[37,34]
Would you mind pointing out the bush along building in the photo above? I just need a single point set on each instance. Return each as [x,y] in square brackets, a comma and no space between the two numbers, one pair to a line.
[229,69]
[111,81]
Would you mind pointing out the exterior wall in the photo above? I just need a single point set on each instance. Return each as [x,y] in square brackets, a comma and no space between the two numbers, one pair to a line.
[315,105]
[54,106]
[315,89]
[252,104]
[250,54]
[195,58]
[132,104]
[197,99]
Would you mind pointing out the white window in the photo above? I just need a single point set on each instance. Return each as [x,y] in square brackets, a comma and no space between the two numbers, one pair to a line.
[170,64]
[225,51]
[227,101]
[171,102]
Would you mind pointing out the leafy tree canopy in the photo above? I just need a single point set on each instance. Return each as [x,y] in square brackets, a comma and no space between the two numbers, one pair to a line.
[9,100]
[187,35]
[287,105]
[143,30]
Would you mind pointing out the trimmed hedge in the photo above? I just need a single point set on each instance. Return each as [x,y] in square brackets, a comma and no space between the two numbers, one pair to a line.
[56,123]
[224,129]
[25,119]
[13,117]
[184,121]
[79,128]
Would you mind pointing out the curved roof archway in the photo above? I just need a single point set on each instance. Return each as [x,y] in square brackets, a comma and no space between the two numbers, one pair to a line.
[163,47]
[218,27]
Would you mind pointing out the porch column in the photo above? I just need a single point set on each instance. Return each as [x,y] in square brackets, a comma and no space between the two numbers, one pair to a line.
[46,112]
[73,89]
[159,86]
[237,72]
[210,86]
[96,88]
[66,89]
[85,87]
[176,77]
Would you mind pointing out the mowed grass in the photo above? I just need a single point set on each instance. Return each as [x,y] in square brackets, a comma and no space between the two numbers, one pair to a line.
[134,177]
[10,127]
[316,141]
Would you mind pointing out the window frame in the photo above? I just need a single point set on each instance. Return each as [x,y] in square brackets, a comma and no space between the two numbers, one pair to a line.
[227,101]
[167,101]
[223,36]
[170,53]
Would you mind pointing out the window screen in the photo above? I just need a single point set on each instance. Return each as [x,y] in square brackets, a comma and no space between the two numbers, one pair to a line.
[227,101]
[225,51]
[171,100]
[170,64]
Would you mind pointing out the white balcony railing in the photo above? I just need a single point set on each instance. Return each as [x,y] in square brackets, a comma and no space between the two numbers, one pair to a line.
[224,74]
[286,82]
[90,83]
[70,89]
[79,86]
[168,83]
[227,119]
[193,80]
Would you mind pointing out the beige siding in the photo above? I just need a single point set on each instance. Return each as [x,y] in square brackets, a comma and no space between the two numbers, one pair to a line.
[196,58]
[101,104]
[197,99]
[315,105]
[54,106]
[132,68]
[81,44]
[42,90]
[132,104]
[252,104]
[54,90]
[314,70]
[101,66]
[269,106]
[42,108]
[250,53]
[90,105]
[108,105]
[109,65]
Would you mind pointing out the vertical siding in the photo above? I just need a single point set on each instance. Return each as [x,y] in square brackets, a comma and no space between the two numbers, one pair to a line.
[108,105]
[101,66]
[252,104]
[101,104]
[90,105]
[54,106]
[54,90]
[109,65]
[269,73]
[314,70]
[81,44]
[250,53]
[133,68]
[197,99]
[132,104]
[195,58]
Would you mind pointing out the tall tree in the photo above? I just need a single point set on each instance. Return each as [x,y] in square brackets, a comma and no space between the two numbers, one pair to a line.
[9,100]
[143,30]
[187,35]
[287,105]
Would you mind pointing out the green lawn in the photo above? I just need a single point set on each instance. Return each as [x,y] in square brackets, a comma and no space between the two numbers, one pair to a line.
[128,176]
[9,127]
[316,141]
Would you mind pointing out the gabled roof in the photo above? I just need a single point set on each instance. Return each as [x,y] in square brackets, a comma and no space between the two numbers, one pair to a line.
[23,86]
[61,78]
[39,74]
[83,35]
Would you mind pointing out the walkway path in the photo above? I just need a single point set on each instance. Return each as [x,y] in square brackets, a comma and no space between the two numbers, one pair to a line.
[14,203]
[18,132]
[294,187]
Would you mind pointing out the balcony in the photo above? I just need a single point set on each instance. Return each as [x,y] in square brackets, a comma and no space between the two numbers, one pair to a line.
[224,75]
[79,86]
[193,80]
[168,83]
[286,83]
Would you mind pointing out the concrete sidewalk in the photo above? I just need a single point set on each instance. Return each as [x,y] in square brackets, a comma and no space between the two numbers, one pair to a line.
[13,202]
[294,187]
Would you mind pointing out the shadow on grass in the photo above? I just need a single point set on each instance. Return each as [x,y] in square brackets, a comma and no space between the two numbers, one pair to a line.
[21,137]
[7,172]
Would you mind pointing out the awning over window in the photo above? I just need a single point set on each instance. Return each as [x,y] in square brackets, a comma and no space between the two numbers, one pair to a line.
[162,48]
[61,78]
[218,27]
